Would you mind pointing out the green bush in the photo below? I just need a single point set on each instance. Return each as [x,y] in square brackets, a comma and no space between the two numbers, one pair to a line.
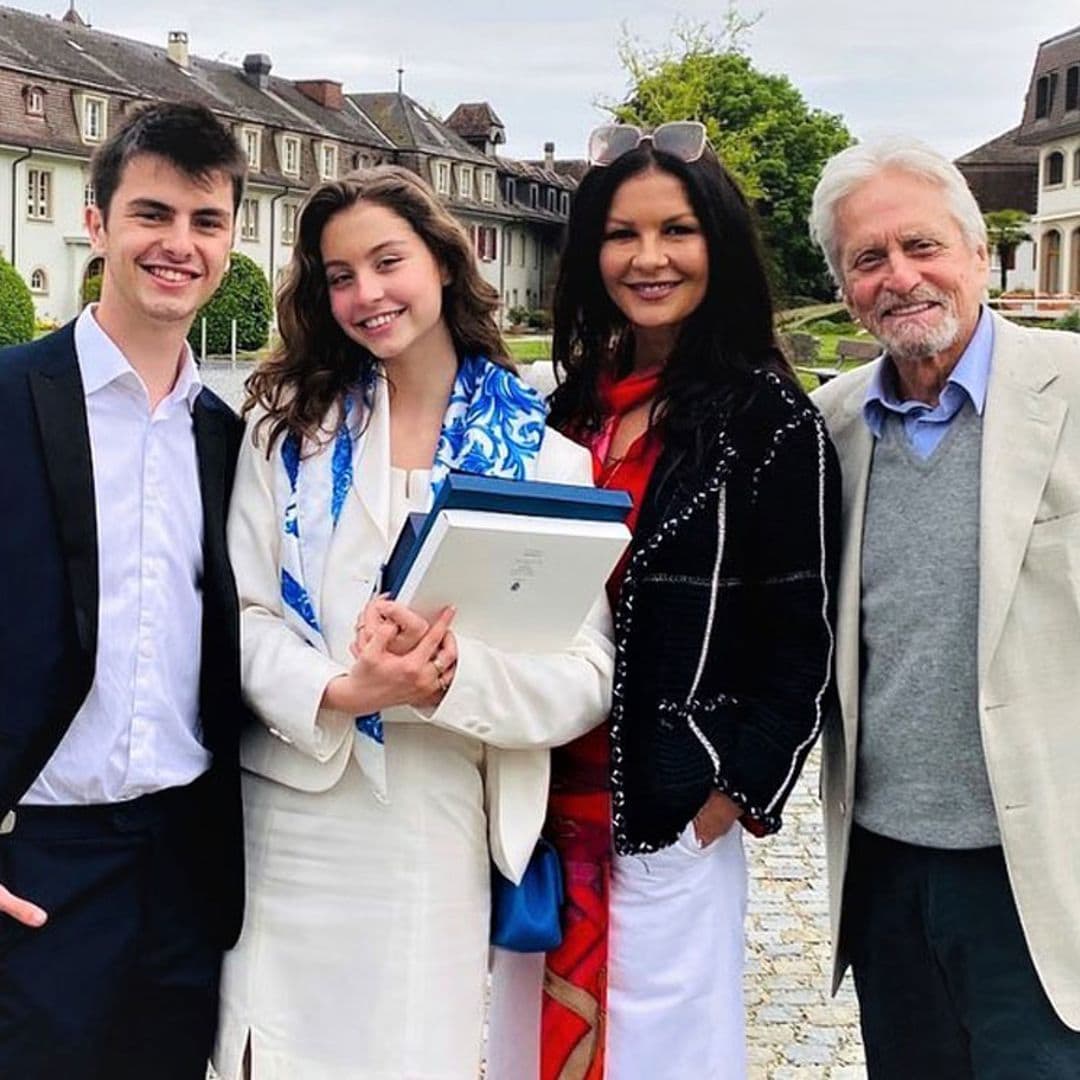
[518,315]
[1070,322]
[16,307]
[244,295]
[91,290]
[539,319]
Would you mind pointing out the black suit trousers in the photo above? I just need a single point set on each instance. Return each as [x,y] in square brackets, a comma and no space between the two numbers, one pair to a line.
[121,982]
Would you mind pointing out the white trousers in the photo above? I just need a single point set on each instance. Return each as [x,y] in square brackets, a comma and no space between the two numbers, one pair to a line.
[675,997]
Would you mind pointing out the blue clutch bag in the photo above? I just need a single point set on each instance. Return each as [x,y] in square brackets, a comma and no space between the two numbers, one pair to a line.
[527,917]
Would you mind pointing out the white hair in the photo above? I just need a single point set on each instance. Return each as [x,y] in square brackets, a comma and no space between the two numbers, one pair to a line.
[849,169]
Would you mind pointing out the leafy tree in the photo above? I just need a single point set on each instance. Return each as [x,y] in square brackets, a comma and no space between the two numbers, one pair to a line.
[16,307]
[244,295]
[1006,230]
[760,125]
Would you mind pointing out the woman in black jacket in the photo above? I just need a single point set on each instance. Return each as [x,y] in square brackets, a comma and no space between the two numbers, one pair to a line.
[669,370]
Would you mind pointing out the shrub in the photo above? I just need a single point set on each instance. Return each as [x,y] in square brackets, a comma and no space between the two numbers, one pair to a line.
[518,315]
[16,307]
[539,319]
[91,290]
[1070,322]
[244,295]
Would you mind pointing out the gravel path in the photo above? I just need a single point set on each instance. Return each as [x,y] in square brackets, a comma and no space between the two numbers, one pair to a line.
[795,1030]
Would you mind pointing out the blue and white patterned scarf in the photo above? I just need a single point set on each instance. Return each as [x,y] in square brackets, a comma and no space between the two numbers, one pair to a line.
[493,426]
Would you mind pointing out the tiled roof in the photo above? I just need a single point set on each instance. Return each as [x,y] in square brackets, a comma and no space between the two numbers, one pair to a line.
[1003,150]
[473,120]
[54,50]
[412,127]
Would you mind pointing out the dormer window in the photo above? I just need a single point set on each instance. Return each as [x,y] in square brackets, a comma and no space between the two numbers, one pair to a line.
[252,144]
[442,177]
[92,112]
[534,196]
[564,204]
[1044,94]
[510,190]
[327,161]
[465,181]
[551,197]
[290,155]
[34,100]
[487,186]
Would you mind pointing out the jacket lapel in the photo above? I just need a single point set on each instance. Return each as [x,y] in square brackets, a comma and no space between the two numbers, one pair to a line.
[60,406]
[854,446]
[212,452]
[371,468]
[1021,429]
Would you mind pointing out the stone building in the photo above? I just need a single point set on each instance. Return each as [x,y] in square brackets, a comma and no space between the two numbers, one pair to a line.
[65,85]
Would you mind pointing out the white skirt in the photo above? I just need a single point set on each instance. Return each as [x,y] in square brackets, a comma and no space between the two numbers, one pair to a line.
[676,941]
[364,949]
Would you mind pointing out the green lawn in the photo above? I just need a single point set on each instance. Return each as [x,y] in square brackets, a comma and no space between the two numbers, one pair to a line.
[528,350]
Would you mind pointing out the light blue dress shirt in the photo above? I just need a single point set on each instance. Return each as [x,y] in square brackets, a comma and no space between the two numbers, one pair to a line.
[925,425]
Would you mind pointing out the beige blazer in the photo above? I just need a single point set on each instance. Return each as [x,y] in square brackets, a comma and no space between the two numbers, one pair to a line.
[1028,637]
[519,705]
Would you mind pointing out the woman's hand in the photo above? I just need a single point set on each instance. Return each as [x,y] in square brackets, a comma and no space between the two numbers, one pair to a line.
[409,627]
[381,677]
[715,818]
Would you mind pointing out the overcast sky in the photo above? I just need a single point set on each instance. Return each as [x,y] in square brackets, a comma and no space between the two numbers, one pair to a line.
[954,73]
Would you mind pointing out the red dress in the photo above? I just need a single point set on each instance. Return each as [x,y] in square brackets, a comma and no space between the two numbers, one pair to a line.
[579,810]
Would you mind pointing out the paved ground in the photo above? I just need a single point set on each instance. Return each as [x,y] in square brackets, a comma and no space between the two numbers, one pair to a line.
[795,1031]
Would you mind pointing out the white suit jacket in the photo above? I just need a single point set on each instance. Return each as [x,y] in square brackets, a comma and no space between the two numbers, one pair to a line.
[519,705]
[1028,637]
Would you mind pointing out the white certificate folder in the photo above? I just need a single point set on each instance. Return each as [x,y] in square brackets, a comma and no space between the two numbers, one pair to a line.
[521,561]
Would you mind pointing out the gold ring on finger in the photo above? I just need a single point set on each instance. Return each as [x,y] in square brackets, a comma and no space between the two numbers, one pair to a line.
[439,667]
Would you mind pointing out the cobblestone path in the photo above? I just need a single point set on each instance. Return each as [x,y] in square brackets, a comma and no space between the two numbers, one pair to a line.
[795,1030]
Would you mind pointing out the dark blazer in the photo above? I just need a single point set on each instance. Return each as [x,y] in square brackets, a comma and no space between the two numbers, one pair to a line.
[49,561]
[723,629]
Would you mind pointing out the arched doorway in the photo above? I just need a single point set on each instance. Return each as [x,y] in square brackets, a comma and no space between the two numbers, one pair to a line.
[90,289]
[1050,278]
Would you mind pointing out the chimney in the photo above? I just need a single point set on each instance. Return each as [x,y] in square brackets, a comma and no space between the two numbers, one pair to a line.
[549,156]
[324,92]
[257,70]
[178,47]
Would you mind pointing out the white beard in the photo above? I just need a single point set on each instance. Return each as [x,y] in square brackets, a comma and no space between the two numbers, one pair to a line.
[912,341]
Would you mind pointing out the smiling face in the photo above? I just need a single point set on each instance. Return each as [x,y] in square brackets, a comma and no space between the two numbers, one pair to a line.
[165,238]
[910,275]
[654,260]
[385,286]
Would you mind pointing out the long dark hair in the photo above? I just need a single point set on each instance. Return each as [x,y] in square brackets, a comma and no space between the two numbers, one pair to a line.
[317,362]
[727,337]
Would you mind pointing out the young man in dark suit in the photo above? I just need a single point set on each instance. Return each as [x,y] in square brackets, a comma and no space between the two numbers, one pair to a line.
[121,872]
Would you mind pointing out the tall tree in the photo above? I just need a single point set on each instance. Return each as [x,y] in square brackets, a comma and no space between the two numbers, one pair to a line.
[759,124]
[1006,230]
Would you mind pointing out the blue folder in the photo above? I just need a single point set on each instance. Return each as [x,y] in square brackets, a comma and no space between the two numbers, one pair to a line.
[536,498]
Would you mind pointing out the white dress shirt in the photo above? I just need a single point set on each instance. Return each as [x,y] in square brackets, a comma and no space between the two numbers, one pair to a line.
[138,730]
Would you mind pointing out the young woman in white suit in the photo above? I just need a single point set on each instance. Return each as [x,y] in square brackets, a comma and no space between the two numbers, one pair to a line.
[394,761]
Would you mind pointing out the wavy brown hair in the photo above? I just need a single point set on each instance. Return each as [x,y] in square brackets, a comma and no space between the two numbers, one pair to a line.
[316,362]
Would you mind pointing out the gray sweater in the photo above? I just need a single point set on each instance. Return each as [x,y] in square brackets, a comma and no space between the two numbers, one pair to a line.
[921,774]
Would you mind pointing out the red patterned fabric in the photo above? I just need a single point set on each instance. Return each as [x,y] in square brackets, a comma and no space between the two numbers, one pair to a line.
[579,813]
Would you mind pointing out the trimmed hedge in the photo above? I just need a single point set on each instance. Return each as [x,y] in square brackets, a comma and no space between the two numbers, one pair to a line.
[244,295]
[16,307]
[91,290]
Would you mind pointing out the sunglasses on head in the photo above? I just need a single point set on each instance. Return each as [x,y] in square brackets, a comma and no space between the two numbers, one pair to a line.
[684,139]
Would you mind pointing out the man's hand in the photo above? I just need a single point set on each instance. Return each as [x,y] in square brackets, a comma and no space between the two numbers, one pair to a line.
[21,910]
[715,818]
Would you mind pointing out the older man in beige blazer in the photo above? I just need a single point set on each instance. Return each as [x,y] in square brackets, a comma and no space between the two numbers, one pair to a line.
[950,773]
